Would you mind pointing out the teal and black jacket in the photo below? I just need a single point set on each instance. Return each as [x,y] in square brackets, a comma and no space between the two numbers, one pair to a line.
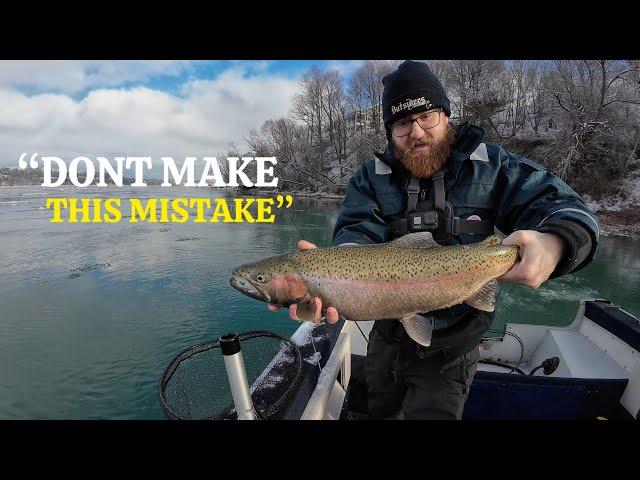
[482,180]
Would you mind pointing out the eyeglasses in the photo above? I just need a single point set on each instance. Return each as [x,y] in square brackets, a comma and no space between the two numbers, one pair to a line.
[428,120]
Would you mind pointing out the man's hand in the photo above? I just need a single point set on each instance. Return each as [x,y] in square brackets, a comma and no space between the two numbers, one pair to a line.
[332,313]
[540,253]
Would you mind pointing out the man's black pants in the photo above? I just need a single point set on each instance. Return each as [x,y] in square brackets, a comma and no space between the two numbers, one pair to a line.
[420,383]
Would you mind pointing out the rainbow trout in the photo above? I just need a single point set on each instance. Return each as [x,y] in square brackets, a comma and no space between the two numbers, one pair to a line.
[396,280]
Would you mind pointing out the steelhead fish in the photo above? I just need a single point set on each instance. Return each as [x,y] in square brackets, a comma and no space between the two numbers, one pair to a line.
[399,279]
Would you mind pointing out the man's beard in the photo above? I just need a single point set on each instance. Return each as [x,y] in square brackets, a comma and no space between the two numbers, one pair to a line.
[425,164]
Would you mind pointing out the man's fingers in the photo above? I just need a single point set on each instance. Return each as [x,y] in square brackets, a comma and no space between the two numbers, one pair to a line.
[332,315]
[318,314]
[293,312]
[513,275]
[516,273]
[304,245]
[524,273]
[519,237]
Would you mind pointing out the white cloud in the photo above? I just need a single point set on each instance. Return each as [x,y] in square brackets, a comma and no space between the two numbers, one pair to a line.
[72,76]
[203,120]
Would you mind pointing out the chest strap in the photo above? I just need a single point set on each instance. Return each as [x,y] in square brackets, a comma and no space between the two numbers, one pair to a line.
[437,217]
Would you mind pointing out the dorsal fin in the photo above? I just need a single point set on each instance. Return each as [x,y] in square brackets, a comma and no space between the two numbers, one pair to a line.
[485,298]
[415,240]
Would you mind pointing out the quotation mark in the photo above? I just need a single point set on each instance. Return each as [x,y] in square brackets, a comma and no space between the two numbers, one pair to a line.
[33,163]
[281,200]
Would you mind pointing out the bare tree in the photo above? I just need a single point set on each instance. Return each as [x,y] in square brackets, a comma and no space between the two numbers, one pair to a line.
[365,88]
[598,104]
[579,118]
[308,105]
[476,91]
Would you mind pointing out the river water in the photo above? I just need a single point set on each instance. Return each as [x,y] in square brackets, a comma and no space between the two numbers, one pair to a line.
[91,314]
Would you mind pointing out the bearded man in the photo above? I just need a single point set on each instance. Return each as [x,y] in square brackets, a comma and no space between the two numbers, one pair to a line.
[446,180]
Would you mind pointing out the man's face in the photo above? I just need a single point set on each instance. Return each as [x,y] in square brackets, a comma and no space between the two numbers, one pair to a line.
[423,151]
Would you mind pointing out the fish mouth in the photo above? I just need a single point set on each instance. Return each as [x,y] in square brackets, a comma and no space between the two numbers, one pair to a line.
[247,288]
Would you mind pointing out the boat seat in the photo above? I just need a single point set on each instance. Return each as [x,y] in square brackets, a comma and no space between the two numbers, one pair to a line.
[579,358]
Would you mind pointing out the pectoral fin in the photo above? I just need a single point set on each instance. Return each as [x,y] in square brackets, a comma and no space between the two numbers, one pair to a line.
[418,328]
[307,312]
[485,298]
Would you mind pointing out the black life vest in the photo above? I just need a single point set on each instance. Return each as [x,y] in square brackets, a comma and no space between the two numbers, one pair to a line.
[437,216]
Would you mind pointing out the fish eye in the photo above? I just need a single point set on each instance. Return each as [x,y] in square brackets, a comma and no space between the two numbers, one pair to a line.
[261,277]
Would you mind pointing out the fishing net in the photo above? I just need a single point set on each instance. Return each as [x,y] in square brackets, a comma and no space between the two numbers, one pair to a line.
[195,386]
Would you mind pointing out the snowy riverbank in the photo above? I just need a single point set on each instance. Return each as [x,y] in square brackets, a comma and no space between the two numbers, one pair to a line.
[620,214]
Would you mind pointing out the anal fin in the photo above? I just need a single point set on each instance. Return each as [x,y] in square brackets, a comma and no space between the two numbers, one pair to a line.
[485,298]
[419,328]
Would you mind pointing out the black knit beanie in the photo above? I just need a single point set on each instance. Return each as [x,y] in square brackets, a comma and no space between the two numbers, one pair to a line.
[412,88]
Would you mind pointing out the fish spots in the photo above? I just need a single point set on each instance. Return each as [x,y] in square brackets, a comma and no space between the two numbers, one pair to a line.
[337,273]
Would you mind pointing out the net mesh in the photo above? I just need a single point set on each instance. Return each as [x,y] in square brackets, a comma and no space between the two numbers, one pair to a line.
[194,386]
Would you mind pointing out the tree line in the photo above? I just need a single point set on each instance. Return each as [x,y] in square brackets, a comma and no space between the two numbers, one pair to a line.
[579,118]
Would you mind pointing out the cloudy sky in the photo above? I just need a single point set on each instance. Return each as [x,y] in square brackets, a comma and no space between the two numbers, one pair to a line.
[141,108]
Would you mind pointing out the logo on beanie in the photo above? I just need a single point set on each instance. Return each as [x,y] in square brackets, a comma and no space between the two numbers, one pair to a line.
[410,104]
